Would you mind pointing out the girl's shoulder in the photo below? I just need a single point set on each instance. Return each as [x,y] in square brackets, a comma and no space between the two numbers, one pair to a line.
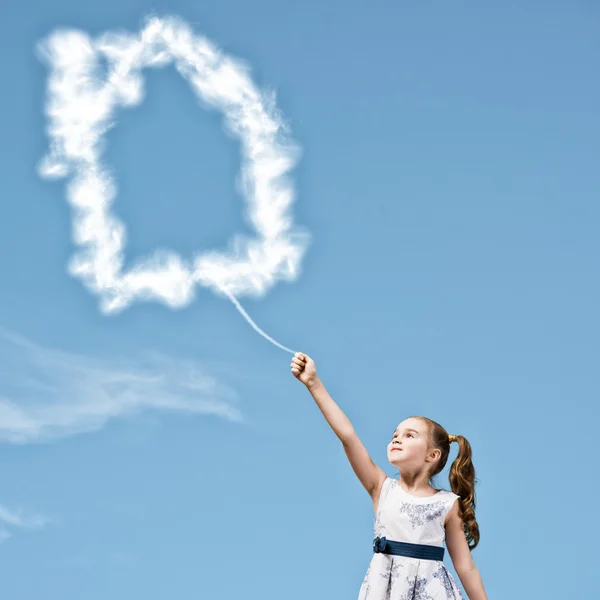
[448,496]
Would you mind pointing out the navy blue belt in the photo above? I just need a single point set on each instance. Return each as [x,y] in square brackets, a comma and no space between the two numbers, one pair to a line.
[385,546]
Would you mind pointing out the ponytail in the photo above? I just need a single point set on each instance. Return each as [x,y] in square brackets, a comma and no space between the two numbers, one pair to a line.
[462,482]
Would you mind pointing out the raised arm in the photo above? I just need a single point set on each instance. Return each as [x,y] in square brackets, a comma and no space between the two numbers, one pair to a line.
[368,473]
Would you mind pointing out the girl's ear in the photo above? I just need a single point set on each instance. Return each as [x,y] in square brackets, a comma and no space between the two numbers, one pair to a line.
[435,454]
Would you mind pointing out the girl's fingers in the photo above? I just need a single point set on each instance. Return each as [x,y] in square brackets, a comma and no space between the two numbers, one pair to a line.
[298,363]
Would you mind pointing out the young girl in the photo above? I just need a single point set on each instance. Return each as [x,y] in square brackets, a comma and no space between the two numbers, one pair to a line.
[412,519]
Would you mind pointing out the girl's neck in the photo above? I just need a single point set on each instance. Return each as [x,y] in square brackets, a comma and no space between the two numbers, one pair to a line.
[415,484]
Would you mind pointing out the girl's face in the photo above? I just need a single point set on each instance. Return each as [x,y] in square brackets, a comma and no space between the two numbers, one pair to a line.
[409,444]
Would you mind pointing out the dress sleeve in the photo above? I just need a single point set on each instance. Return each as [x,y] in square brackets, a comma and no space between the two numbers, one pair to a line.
[452,498]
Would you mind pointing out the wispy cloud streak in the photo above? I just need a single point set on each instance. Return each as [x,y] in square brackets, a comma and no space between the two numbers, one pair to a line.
[81,105]
[10,520]
[47,394]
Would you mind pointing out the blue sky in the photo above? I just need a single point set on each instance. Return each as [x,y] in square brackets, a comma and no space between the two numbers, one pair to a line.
[449,181]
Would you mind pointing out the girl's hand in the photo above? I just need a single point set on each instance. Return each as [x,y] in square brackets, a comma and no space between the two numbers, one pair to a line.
[304,369]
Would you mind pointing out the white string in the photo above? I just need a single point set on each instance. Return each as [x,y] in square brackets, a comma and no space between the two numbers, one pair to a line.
[253,324]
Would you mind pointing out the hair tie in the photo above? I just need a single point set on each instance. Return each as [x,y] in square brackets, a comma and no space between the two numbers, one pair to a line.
[451,438]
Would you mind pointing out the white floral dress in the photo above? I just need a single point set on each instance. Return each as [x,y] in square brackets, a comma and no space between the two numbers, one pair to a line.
[402,517]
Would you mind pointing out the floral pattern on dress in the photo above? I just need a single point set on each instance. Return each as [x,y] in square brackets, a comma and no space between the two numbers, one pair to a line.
[366,586]
[397,571]
[379,529]
[419,514]
[417,589]
[442,575]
